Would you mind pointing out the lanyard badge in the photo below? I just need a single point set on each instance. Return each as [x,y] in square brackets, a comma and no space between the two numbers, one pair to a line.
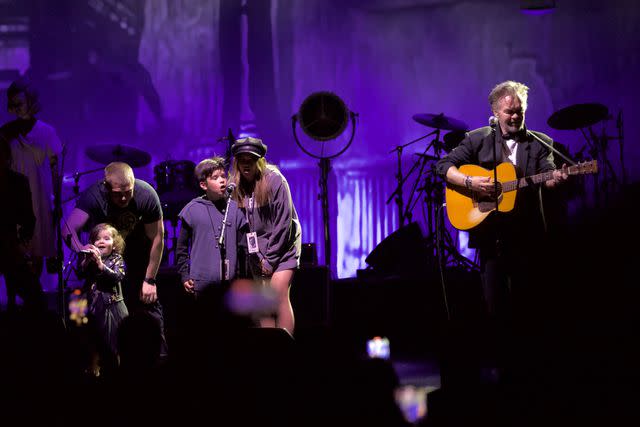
[252,242]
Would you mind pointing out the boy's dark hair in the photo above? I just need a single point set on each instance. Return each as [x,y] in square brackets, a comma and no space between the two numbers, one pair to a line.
[205,168]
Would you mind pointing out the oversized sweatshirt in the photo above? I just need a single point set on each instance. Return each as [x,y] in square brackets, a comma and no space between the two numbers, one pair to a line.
[276,225]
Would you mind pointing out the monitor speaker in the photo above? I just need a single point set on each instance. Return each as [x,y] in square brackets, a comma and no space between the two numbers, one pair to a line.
[402,253]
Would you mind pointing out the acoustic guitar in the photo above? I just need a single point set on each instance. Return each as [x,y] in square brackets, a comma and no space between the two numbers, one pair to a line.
[466,208]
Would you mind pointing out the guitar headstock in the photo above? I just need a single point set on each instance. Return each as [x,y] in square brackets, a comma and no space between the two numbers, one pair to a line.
[584,168]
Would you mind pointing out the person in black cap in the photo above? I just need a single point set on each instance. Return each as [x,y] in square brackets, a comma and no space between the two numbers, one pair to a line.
[274,241]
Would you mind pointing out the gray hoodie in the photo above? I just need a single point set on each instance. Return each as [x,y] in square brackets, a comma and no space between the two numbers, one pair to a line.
[197,251]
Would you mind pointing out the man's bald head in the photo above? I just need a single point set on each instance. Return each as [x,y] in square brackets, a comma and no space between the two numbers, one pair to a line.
[119,180]
[118,173]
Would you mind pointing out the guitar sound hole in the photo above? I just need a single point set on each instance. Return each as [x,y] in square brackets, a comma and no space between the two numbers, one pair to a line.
[487,202]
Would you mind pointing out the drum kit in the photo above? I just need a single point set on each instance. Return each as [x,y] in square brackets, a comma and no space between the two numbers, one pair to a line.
[575,117]
[431,188]
[583,117]
[450,140]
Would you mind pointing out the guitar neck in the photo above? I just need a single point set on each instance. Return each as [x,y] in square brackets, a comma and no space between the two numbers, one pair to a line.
[524,182]
[579,169]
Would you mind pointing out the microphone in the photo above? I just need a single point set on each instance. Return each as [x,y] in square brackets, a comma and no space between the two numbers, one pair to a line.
[227,191]
[230,187]
[493,121]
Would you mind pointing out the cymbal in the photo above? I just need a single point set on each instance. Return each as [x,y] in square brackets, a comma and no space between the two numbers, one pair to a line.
[453,139]
[440,121]
[578,116]
[108,153]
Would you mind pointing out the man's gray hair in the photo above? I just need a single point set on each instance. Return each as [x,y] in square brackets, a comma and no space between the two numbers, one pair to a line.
[508,88]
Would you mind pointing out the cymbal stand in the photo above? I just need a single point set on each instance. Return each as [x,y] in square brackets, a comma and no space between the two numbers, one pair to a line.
[76,178]
[445,245]
[620,127]
[438,149]
[397,193]
[432,190]
[598,150]
[423,162]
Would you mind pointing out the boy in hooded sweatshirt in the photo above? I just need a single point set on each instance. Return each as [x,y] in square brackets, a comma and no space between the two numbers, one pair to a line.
[200,259]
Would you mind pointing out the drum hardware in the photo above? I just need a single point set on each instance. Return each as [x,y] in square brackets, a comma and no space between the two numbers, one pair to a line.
[453,139]
[583,117]
[171,234]
[176,185]
[76,182]
[76,178]
[398,192]
[228,140]
[108,153]
[432,189]
[440,122]
[176,182]
[578,116]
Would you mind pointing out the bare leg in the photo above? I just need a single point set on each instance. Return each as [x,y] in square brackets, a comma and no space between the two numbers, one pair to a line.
[267,322]
[281,283]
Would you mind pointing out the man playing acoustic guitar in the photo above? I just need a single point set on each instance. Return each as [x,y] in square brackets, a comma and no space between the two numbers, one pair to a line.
[509,241]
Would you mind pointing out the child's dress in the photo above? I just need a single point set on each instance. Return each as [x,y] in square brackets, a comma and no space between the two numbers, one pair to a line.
[106,303]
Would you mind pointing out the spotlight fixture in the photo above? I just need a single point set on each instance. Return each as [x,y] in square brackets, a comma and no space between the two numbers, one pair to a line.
[324,116]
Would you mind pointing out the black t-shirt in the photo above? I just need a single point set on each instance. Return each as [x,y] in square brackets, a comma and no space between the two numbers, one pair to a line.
[144,208]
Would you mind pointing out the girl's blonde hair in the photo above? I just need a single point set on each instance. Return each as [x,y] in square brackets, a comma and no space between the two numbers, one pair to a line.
[118,241]
[259,188]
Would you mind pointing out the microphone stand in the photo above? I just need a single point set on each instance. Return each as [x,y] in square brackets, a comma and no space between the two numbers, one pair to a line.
[495,189]
[223,250]
[550,147]
[57,217]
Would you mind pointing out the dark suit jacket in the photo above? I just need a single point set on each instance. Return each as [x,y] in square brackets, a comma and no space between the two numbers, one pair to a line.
[526,221]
